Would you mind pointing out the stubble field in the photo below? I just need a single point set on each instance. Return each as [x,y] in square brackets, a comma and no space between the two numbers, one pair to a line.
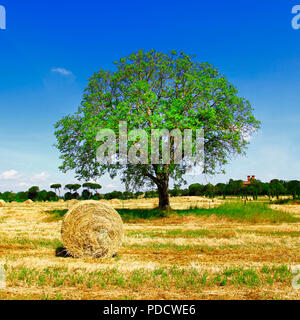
[173,257]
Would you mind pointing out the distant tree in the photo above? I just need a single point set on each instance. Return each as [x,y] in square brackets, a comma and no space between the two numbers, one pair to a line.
[185,192]
[21,196]
[76,187]
[176,192]
[293,188]
[51,196]
[73,188]
[196,189]
[42,195]
[68,196]
[221,189]
[75,195]
[256,188]
[87,185]
[209,190]
[86,195]
[277,187]
[138,194]
[96,187]
[265,188]
[97,196]
[113,195]
[33,193]
[69,187]
[56,187]
[8,196]
[127,195]
[235,187]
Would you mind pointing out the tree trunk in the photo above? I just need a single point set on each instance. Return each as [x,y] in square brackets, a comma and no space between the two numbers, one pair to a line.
[163,192]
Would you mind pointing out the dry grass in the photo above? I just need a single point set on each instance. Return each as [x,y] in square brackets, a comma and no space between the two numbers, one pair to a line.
[176,257]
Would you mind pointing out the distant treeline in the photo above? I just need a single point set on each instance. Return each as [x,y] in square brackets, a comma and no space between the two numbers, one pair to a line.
[274,188]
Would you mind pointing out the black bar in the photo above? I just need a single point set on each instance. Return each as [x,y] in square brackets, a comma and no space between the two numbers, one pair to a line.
[90,310]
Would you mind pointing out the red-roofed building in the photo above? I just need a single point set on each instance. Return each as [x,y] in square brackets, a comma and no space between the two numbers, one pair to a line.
[249,180]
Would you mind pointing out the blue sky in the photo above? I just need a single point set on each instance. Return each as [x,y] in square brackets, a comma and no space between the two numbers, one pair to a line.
[51,48]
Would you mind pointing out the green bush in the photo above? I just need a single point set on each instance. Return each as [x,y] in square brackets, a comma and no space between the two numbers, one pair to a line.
[86,194]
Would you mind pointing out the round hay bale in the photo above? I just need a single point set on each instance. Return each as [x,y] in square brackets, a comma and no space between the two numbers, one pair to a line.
[28,201]
[92,229]
[61,201]
[2,203]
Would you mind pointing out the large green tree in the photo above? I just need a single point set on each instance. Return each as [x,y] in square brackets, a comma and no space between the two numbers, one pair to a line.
[153,90]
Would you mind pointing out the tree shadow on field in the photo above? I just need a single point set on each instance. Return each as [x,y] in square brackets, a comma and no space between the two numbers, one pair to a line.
[62,252]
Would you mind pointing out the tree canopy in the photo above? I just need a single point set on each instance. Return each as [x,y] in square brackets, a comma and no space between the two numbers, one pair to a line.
[154,90]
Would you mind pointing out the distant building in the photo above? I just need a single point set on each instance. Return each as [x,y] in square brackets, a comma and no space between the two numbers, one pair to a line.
[249,180]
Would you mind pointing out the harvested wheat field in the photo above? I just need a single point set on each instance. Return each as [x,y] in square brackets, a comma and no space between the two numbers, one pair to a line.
[178,256]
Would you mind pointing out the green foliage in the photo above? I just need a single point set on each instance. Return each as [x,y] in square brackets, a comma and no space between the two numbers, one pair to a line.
[57,214]
[293,188]
[97,196]
[21,196]
[76,187]
[86,194]
[72,187]
[69,187]
[42,196]
[96,186]
[221,189]
[127,195]
[232,188]
[113,195]
[153,90]
[196,189]
[235,186]
[68,196]
[277,187]
[87,185]
[151,194]
[51,196]
[93,186]
[56,187]
[33,193]
[209,190]
[8,196]
[128,214]
[254,212]
[76,195]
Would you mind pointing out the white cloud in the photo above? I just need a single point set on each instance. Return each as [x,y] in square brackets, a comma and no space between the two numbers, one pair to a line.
[23,184]
[62,71]
[10,175]
[40,177]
